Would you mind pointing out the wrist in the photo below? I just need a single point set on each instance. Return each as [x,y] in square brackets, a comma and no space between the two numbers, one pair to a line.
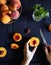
[49,63]
[25,61]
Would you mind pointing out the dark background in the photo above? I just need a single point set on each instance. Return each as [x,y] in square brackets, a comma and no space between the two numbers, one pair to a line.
[15,57]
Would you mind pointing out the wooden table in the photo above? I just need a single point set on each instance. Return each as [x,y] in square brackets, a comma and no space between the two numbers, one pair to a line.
[14,57]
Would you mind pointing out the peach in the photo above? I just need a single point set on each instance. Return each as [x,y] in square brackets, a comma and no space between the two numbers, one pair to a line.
[15,15]
[5,19]
[34,41]
[16,3]
[17,37]
[4,7]
[6,12]
[3,2]
[3,52]
[14,46]
[12,8]
[49,27]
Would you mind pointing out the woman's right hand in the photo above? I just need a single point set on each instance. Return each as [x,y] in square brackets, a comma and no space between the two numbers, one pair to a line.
[48,53]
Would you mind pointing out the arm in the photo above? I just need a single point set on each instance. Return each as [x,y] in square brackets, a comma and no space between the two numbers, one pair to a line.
[48,53]
[28,55]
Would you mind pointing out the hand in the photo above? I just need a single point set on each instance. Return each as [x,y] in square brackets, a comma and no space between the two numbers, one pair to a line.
[48,53]
[28,55]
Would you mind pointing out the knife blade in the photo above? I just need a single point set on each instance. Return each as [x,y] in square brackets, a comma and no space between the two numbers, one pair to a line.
[43,38]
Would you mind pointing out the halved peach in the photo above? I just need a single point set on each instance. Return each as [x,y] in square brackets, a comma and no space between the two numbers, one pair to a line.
[17,37]
[3,52]
[14,46]
[34,41]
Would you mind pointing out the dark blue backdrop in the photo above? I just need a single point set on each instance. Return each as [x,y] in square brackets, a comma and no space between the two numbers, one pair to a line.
[15,57]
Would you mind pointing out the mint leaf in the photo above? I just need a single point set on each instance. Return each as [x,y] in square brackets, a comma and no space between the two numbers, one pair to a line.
[40,12]
[47,13]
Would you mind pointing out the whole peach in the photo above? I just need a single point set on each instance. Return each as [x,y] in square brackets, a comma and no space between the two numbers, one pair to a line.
[6,12]
[15,14]
[3,2]
[4,7]
[16,3]
[5,19]
[12,8]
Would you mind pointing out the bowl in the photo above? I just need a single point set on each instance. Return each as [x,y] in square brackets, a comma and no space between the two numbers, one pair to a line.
[10,11]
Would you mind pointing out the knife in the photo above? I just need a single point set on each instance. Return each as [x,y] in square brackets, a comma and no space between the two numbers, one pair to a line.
[43,38]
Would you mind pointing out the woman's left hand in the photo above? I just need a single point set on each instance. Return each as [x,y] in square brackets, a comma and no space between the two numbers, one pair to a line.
[28,55]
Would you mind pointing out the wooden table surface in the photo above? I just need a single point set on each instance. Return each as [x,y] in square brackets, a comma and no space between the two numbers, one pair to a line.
[15,57]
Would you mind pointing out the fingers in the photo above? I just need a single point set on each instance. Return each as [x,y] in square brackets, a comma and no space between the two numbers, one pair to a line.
[46,51]
[34,50]
[48,47]
[27,46]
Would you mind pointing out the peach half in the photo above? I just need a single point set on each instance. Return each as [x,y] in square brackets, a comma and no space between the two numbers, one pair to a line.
[17,37]
[34,41]
[14,46]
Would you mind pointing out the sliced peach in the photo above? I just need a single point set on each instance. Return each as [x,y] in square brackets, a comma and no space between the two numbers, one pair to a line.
[14,46]
[3,52]
[34,41]
[17,37]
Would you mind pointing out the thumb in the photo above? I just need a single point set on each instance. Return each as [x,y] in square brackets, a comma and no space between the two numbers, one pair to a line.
[46,51]
[34,50]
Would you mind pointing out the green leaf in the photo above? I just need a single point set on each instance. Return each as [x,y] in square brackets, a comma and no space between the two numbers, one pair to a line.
[47,14]
[42,9]
[37,13]
[37,6]
[40,12]
[43,15]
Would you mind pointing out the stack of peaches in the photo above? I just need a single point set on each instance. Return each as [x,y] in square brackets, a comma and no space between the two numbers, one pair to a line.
[9,10]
